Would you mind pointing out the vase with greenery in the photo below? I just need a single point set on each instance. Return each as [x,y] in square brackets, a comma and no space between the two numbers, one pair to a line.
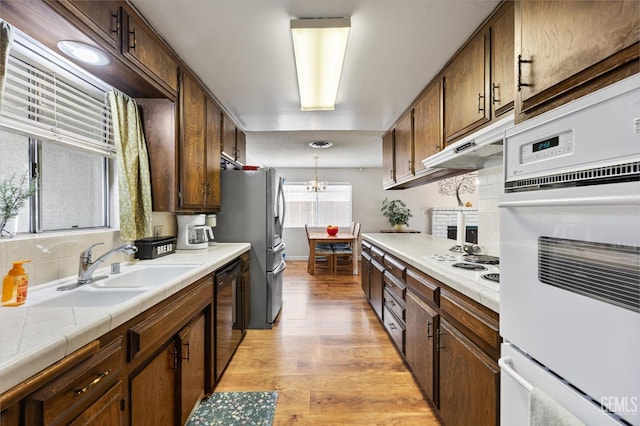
[14,191]
[397,212]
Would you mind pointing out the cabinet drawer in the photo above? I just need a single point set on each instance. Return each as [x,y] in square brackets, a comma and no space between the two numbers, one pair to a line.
[394,267]
[76,389]
[424,286]
[394,305]
[394,286]
[377,254]
[395,328]
[366,247]
[478,324]
[157,328]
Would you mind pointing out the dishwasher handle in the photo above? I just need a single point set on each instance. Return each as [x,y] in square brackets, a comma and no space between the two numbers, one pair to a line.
[228,274]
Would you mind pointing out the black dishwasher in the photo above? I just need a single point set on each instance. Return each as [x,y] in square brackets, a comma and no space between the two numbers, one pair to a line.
[229,323]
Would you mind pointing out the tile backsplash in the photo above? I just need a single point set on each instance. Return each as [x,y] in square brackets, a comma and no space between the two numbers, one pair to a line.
[489,191]
[56,255]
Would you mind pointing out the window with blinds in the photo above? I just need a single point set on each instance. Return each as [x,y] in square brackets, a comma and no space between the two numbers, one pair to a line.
[330,207]
[55,124]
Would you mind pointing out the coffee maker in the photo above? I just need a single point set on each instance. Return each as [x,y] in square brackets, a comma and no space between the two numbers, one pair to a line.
[193,233]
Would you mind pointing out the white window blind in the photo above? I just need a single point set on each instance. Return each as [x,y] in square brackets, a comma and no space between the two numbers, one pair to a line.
[330,207]
[54,106]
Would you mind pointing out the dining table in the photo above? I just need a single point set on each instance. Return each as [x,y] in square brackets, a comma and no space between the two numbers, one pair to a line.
[325,238]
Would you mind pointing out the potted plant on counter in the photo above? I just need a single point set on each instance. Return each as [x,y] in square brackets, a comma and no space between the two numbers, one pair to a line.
[397,212]
[14,191]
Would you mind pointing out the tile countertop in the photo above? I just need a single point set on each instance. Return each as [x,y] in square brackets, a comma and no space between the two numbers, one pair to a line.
[412,247]
[33,338]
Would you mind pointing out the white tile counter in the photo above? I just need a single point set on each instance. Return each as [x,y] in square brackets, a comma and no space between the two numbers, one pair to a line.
[412,248]
[33,338]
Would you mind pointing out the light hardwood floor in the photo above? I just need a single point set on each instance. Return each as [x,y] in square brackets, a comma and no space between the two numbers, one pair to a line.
[329,358]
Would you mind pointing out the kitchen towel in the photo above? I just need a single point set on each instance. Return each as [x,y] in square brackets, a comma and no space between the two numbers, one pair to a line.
[546,411]
[236,408]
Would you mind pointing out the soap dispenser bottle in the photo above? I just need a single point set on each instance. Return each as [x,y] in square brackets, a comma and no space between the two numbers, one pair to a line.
[15,284]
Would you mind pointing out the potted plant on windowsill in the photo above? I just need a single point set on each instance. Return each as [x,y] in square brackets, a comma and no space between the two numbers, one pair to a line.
[397,212]
[14,191]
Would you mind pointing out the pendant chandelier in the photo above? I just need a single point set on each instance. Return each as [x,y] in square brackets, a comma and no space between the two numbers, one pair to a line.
[315,185]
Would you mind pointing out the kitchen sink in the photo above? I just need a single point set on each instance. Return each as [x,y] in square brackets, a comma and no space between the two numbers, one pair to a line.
[144,276]
[90,297]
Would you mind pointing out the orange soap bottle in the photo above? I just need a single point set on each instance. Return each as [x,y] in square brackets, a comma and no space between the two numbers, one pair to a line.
[15,284]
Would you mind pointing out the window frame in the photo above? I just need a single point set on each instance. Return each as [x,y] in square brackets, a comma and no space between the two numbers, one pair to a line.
[317,202]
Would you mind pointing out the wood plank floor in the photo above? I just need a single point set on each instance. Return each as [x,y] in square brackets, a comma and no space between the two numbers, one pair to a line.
[329,358]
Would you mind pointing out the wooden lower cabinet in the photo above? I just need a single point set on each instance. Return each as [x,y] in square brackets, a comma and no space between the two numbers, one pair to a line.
[450,342]
[420,346]
[192,340]
[151,370]
[469,381]
[154,391]
[365,274]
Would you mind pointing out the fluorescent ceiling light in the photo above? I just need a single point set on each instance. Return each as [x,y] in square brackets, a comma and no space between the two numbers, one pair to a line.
[319,46]
[83,52]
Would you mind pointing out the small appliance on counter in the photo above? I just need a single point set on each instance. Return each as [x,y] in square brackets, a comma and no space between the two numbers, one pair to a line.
[154,247]
[211,223]
[193,233]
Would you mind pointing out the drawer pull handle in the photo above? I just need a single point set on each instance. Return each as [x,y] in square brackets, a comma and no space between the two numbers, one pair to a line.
[115,27]
[132,40]
[95,381]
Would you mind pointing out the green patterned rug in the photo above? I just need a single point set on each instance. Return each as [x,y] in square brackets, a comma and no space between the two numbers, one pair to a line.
[236,408]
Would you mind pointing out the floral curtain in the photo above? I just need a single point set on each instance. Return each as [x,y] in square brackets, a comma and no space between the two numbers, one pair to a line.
[133,168]
[6,37]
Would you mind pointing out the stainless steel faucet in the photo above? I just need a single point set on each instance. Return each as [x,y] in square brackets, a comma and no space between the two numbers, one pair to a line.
[87,268]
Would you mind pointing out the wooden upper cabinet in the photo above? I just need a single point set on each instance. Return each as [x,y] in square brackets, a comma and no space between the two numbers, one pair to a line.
[213,134]
[103,17]
[404,147]
[567,49]
[388,160]
[146,51]
[228,138]
[241,147]
[465,82]
[427,125]
[192,143]
[502,61]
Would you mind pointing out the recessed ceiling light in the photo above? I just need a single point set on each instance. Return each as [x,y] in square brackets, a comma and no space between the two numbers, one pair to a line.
[320,144]
[83,52]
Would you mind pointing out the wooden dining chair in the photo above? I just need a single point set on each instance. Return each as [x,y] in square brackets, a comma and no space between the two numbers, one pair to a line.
[343,254]
[324,255]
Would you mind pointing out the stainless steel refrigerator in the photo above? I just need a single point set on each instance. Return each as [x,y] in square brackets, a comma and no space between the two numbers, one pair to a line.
[253,210]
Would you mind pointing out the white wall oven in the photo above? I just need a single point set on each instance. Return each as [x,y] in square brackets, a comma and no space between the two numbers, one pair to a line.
[570,262]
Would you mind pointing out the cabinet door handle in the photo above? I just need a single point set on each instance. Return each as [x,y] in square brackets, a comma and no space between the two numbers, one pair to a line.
[409,165]
[429,336]
[94,382]
[203,191]
[493,93]
[132,36]
[392,326]
[174,352]
[208,189]
[520,62]
[115,22]
[480,102]
[438,340]
[188,354]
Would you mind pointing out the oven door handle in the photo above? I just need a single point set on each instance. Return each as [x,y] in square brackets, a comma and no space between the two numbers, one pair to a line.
[505,364]
[606,200]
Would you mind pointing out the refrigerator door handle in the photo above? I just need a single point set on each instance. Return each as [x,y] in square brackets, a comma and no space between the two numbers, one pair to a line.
[281,212]
[281,267]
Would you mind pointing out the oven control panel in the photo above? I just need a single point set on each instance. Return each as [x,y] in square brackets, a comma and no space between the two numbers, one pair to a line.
[547,148]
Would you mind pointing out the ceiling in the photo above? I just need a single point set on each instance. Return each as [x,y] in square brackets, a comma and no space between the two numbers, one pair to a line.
[242,51]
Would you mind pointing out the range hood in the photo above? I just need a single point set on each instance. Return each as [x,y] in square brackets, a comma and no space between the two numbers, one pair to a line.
[476,151]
